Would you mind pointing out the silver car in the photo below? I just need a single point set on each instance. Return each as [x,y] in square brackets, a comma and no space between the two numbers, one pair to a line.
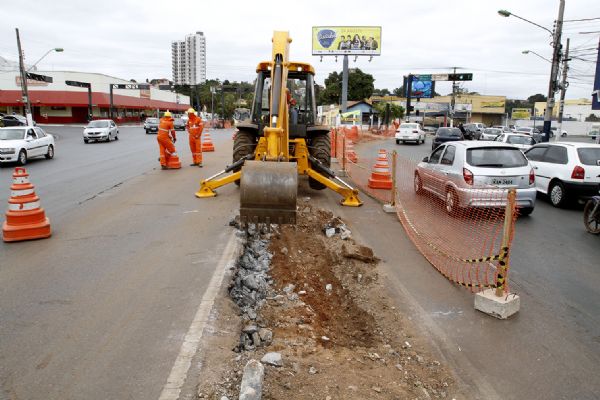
[477,174]
[101,129]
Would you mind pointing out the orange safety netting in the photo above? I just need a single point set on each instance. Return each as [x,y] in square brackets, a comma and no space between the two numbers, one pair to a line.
[462,236]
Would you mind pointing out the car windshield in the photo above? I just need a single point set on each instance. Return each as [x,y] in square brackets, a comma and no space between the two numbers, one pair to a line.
[152,120]
[516,139]
[98,124]
[409,126]
[11,134]
[448,132]
[496,157]
[523,129]
[589,155]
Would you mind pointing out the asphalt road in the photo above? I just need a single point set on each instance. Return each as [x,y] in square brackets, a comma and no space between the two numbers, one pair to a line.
[100,309]
[552,347]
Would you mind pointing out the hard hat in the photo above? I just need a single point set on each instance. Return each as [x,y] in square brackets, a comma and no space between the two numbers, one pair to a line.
[167,114]
[191,111]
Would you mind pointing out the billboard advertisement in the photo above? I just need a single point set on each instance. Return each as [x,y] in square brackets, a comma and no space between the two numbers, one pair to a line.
[351,40]
[596,93]
[521,113]
[351,116]
[422,87]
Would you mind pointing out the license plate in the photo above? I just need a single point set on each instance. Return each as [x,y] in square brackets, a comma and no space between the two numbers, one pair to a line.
[502,181]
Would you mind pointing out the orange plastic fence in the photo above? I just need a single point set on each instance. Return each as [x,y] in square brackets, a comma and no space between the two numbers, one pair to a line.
[468,245]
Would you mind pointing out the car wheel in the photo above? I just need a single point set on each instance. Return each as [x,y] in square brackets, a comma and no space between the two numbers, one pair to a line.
[403,142]
[525,211]
[108,138]
[418,184]
[50,154]
[85,140]
[397,141]
[558,196]
[452,206]
[147,132]
[22,160]
[117,137]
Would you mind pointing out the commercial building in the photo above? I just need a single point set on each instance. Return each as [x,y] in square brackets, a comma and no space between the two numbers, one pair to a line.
[575,109]
[57,102]
[189,59]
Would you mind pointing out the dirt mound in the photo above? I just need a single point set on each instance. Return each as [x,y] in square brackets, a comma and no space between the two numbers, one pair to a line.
[337,332]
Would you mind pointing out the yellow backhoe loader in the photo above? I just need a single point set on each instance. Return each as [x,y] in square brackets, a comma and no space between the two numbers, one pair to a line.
[280,141]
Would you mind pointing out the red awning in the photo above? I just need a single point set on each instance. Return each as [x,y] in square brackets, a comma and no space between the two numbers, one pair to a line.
[80,99]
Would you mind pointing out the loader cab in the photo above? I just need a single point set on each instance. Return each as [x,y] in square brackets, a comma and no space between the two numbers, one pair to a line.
[302,110]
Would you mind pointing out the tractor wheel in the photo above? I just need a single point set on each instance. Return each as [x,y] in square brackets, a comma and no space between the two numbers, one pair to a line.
[320,149]
[243,144]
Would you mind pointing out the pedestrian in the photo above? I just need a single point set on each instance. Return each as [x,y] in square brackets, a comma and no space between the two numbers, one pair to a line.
[194,127]
[166,138]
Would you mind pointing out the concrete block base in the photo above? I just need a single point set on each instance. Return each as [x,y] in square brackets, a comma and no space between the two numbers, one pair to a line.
[388,208]
[499,307]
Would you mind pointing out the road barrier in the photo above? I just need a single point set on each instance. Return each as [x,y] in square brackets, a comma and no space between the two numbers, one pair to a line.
[468,245]
[207,144]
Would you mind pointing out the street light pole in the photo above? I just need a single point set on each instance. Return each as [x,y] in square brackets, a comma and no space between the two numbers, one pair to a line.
[24,90]
[57,49]
[563,91]
[552,86]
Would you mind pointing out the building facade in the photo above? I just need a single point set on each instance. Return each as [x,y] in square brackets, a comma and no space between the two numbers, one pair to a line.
[57,102]
[189,60]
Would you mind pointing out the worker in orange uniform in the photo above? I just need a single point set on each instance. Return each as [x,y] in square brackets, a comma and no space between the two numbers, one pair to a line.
[166,137]
[195,127]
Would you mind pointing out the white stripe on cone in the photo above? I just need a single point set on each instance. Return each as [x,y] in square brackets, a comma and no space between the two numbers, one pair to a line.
[24,192]
[24,207]
[20,179]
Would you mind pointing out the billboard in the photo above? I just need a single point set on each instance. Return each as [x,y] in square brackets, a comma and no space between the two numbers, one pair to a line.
[422,87]
[351,116]
[520,113]
[352,40]
[596,93]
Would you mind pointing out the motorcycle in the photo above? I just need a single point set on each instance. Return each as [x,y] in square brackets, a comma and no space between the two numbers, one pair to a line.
[591,215]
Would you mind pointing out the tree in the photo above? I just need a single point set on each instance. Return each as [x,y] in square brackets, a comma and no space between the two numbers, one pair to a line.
[396,111]
[592,118]
[360,86]
[536,98]
[381,92]
[400,92]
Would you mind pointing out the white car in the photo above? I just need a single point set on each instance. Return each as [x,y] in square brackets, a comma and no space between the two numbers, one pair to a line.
[594,131]
[490,134]
[410,132]
[566,171]
[476,174]
[20,143]
[101,129]
[518,140]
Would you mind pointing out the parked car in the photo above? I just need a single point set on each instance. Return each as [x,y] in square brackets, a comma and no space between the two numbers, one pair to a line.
[503,128]
[101,129]
[151,125]
[566,171]
[430,129]
[477,174]
[594,131]
[490,133]
[179,124]
[410,132]
[13,120]
[471,132]
[444,135]
[519,140]
[553,131]
[20,143]
[526,130]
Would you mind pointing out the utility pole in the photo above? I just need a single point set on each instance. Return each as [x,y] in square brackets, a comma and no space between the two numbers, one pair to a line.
[552,85]
[24,90]
[563,90]
[453,100]
[345,84]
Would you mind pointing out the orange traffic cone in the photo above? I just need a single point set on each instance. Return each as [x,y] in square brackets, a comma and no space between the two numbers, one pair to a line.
[174,162]
[207,144]
[381,178]
[350,153]
[25,219]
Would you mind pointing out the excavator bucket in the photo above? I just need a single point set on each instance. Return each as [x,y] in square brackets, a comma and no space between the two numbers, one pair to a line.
[268,192]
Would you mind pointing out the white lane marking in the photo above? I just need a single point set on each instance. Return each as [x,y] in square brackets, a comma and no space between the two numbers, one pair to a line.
[172,389]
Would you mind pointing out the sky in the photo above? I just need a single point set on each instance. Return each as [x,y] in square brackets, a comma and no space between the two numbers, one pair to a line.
[132,39]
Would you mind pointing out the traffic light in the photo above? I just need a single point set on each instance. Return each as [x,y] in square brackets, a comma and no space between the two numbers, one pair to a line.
[460,77]
[37,77]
